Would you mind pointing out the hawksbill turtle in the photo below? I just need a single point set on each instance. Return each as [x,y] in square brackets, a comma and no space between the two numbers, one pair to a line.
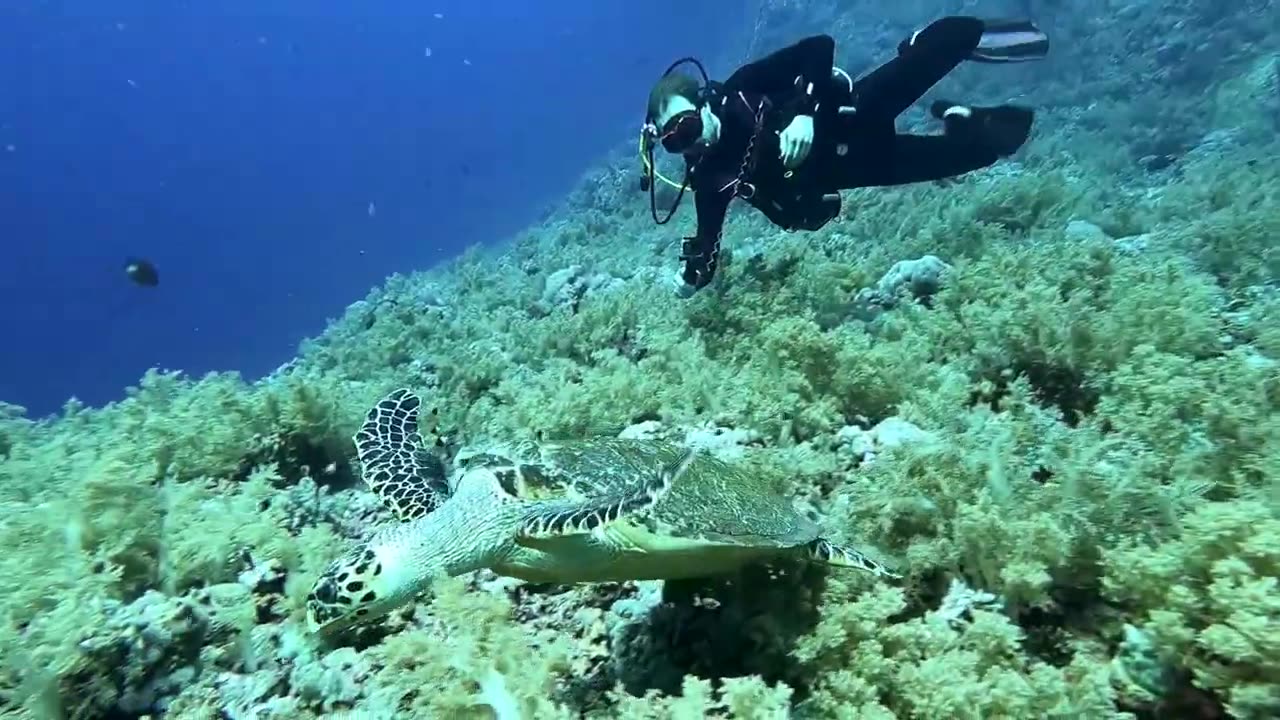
[593,510]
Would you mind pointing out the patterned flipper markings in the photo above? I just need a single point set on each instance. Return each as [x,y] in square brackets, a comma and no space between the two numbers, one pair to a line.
[409,480]
[825,551]
[559,517]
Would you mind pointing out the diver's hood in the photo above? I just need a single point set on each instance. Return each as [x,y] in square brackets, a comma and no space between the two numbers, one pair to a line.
[649,174]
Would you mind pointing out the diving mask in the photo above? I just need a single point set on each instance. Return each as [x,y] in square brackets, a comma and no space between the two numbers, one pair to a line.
[682,131]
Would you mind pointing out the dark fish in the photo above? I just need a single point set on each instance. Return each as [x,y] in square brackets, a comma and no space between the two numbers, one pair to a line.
[142,272]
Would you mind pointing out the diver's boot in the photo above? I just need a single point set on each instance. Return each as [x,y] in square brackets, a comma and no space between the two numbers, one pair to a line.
[1003,128]
[1006,41]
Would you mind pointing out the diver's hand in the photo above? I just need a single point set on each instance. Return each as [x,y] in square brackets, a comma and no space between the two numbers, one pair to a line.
[683,289]
[796,141]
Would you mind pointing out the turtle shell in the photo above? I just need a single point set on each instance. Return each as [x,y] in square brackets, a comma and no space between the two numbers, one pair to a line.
[712,500]
[520,469]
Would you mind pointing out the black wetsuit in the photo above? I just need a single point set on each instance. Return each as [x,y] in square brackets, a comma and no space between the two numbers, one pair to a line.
[859,147]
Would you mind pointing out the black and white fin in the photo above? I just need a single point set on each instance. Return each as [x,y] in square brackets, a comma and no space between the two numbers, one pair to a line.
[395,465]
[829,553]
[1010,41]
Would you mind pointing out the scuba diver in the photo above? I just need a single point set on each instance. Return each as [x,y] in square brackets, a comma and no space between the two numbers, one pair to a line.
[786,133]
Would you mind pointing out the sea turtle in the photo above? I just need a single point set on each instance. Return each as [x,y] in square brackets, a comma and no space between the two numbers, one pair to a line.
[588,511]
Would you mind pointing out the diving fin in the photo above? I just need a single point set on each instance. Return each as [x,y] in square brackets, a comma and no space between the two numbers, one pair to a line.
[1003,128]
[1009,41]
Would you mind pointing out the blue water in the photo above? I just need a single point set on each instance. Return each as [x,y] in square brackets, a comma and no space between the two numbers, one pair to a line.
[239,146]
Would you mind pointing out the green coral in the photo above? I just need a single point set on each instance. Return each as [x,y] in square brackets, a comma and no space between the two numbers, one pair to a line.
[735,699]
[488,668]
[1210,602]
[154,492]
[869,665]
[1224,217]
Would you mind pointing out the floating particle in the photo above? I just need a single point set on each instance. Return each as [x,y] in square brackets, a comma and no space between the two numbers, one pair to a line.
[121,26]
[11,148]
[465,61]
[262,39]
[132,84]
[439,16]
[426,52]
[373,209]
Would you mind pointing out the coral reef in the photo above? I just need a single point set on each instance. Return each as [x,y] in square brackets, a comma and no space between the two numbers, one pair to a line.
[1048,393]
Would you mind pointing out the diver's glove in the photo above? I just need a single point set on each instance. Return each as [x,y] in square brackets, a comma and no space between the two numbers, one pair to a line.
[795,141]
[684,290]
[700,257]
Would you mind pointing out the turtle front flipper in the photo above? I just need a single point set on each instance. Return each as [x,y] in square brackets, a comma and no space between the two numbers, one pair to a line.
[553,518]
[824,551]
[409,480]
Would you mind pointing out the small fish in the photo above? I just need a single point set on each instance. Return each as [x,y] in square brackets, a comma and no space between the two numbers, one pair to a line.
[142,272]
[372,209]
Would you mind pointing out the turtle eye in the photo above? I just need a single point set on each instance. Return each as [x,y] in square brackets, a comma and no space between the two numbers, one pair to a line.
[326,591]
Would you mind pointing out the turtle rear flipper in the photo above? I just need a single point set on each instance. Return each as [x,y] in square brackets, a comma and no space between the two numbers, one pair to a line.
[554,518]
[829,553]
[408,479]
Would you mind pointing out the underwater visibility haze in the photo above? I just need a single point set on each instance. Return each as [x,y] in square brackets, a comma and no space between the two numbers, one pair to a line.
[450,360]
[275,159]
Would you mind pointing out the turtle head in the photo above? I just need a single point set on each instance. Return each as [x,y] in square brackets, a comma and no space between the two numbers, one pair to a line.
[402,561]
[362,585]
